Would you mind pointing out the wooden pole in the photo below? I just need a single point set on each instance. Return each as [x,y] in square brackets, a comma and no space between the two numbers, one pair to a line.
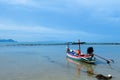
[79,44]
[108,61]
[79,52]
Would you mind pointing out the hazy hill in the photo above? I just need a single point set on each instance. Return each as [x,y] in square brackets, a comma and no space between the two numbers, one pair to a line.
[7,40]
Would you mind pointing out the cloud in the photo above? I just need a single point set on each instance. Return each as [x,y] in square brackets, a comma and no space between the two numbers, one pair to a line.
[34,3]
[37,29]
[33,33]
[78,12]
[16,1]
[96,7]
[65,4]
[48,5]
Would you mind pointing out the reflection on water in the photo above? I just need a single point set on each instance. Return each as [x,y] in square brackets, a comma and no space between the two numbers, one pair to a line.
[82,67]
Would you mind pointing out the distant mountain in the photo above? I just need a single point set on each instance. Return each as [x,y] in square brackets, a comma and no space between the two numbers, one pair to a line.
[7,40]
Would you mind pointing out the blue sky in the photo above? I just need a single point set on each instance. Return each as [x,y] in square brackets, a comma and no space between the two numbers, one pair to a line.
[60,20]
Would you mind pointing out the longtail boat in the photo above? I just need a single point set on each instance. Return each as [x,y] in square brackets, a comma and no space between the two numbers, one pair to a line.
[77,55]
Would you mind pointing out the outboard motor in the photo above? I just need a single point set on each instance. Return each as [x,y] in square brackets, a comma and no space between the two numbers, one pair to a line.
[90,50]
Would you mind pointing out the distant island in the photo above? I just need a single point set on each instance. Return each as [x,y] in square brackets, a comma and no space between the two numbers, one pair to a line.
[7,40]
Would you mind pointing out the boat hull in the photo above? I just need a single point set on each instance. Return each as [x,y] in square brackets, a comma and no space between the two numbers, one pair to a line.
[84,57]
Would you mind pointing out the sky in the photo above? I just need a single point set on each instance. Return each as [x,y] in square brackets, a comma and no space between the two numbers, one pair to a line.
[60,20]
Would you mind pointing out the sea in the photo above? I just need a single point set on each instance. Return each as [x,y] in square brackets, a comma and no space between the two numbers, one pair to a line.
[49,62]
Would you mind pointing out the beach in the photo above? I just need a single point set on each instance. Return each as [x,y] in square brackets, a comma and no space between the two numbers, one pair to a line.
[49,62]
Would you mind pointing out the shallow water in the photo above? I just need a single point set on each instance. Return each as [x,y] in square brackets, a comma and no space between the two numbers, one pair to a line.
[50,63]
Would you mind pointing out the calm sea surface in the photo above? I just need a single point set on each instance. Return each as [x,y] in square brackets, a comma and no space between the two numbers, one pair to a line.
[50,63]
